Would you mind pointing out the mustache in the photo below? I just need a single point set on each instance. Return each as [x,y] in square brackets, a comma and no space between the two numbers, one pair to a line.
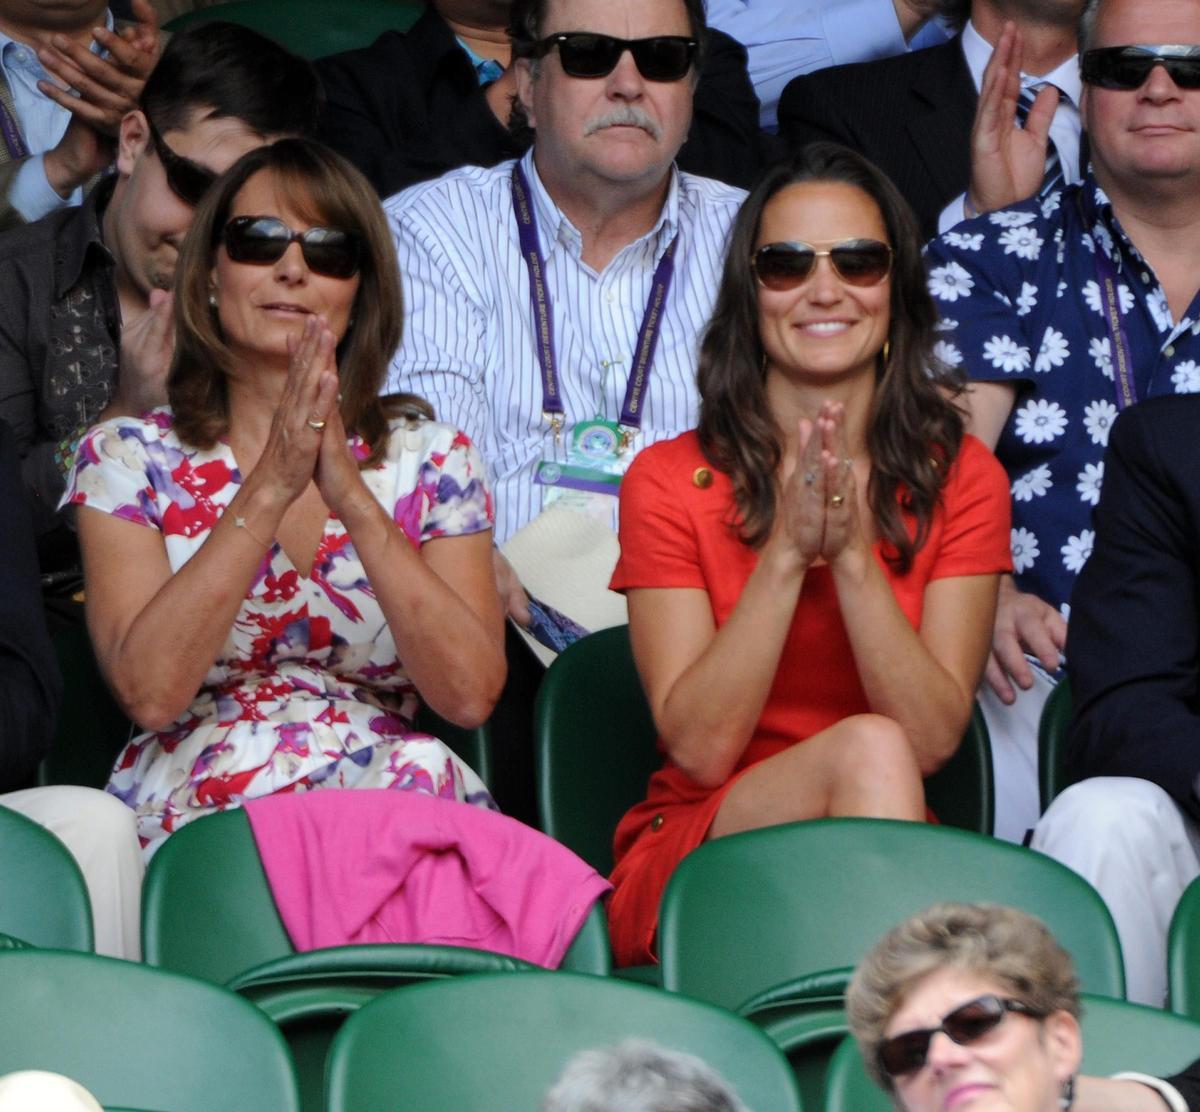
[624,115]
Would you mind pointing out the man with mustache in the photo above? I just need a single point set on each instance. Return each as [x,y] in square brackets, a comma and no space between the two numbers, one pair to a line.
[416,104]
[566,292]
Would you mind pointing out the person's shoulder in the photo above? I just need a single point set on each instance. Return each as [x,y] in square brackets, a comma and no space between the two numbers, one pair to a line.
[453,194]
[428,438]
[35,239]
[976,462]
[866,79]
[1166,421]
[669,462]
[708,193]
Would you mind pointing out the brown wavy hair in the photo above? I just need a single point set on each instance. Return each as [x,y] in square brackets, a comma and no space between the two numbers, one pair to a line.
[327,190]
[916,428]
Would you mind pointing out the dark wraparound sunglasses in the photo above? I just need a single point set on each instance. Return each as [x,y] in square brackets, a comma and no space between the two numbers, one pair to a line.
[262,240]
[586,54]
[857,262]
[906,1052]
[188,180]
[1127,67]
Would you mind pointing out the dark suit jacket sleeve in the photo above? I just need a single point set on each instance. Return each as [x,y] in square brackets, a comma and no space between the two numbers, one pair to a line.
[9,216]
[725,141]
[1134,635]
[29,681]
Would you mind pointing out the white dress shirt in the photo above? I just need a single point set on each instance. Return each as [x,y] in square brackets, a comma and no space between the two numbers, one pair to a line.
[468,343]
[1065,129]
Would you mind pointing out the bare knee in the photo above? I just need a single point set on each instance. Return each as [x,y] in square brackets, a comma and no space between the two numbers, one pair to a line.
[878,774]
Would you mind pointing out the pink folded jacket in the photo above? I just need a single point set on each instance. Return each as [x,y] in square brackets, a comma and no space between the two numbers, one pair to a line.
[399,866]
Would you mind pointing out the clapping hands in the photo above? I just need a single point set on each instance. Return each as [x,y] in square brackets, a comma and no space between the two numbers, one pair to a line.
[818,507]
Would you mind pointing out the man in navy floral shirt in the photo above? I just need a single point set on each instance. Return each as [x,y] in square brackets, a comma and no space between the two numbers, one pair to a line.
[1064,309]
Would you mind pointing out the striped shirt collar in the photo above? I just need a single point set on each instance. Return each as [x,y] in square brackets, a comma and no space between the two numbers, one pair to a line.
[555,228]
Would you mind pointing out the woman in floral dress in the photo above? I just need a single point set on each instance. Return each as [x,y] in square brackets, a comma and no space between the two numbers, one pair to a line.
[277,563]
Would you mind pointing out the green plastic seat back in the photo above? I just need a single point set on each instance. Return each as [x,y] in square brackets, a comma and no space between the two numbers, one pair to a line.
[1183,954]
[312,28]
[43,900]
[207,909]
[595,744]
[962,793]
[1052,743]
[91,728]
[139,1037]
[501,1041]
[1116,1036]
[752,910]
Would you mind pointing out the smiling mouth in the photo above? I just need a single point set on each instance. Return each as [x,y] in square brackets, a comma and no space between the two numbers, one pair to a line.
[283,307]
[824,327]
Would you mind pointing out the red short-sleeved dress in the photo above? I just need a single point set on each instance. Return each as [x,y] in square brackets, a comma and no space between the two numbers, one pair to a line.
[677,532]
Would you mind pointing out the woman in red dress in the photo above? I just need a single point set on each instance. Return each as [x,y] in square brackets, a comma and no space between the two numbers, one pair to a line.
[818,561]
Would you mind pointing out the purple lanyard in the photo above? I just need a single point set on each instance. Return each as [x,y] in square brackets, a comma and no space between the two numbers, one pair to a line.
[1106,276]
[12,134]
[543,319]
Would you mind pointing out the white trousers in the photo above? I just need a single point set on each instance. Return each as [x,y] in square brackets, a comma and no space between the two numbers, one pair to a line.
[1133,844]
[1013,732]
[100,832]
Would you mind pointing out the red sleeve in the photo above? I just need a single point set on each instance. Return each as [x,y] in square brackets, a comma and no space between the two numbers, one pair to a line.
[978,516]
[658,536]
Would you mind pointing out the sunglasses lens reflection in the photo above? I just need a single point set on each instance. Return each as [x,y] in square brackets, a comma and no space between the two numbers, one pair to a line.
[784,266]
[262,241]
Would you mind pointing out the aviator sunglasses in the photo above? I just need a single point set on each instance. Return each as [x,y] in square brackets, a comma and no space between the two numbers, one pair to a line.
[1127,67]
[262,240]
[906,1052]
[188,180]
[857,262]
[587,54]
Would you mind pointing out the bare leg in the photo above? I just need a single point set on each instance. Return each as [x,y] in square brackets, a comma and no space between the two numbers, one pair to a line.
[863,766]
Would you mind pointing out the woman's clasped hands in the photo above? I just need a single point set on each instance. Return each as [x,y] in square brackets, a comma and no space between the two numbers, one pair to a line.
[307,441]
[819,518]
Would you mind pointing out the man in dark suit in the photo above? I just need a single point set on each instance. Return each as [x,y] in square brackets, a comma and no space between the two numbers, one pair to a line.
[412,106]
[912,114]
[1133,820]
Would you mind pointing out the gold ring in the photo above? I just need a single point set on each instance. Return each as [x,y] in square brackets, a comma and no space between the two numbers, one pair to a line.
[837,500]
[316,426]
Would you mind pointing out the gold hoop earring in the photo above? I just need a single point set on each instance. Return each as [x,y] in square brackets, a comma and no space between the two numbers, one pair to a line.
[887,352]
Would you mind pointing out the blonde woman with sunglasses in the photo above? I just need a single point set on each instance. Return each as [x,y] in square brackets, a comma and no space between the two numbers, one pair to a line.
[279,566]
[818,561]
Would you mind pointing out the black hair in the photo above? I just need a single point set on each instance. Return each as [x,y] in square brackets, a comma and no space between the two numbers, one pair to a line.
[233,72]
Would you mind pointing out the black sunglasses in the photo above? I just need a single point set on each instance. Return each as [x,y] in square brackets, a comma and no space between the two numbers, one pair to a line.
[262,240]
[1127,67]
[906,1052]
[858,262]
[587,54]
[188,180]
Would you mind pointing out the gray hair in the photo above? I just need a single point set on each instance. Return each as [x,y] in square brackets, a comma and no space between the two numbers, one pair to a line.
[1010,947]
[640,1076]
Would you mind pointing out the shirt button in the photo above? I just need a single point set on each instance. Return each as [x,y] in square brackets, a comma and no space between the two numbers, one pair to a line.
[702,477]
[604,363]
[1169,350]
[1145,277]
[610,297]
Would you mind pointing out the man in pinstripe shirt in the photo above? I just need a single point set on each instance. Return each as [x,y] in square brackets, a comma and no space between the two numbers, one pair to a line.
[622,247]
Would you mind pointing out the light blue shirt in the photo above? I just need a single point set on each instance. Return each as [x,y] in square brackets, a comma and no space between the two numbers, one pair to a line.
[785,38]
[486,69]
[42,125]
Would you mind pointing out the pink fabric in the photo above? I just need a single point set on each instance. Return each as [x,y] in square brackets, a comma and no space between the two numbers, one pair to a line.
[401,866]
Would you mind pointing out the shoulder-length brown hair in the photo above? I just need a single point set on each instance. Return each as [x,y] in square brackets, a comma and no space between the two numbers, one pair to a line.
[326,189]
[915,430]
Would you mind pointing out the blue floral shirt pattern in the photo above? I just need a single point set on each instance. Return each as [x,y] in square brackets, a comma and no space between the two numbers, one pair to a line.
[1021,302]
